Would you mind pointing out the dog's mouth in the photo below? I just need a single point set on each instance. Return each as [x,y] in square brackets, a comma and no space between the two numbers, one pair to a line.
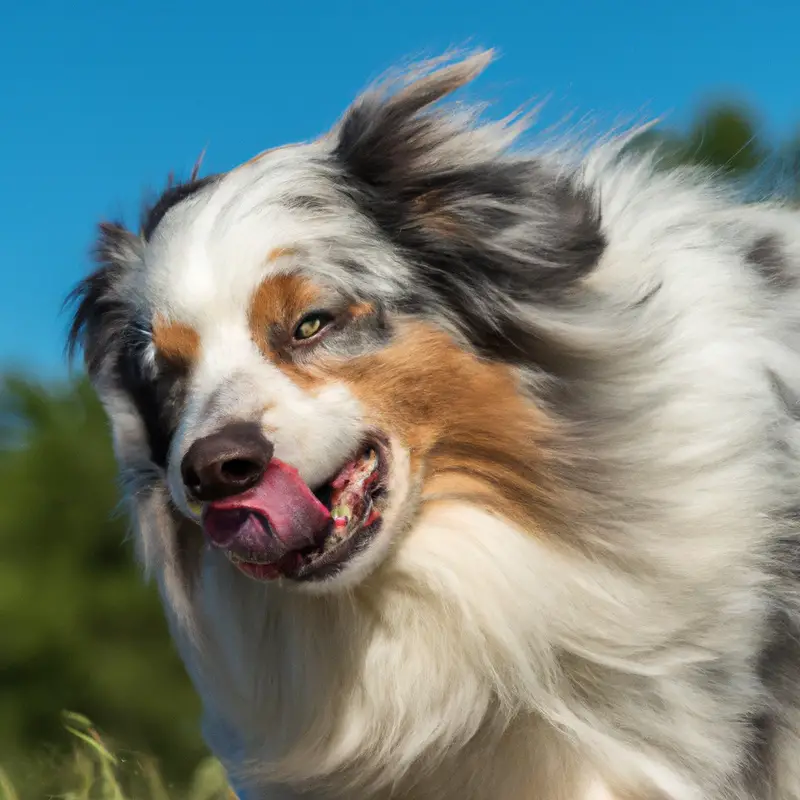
[280,528]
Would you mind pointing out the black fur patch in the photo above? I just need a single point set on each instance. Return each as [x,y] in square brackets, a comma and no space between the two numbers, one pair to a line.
[114,341]
[159,398]
[780,656]
[756,767]
[787,398]
[480,236]
[767,257]
[101,318]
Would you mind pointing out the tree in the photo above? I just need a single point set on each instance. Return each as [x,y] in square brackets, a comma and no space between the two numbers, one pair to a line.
[80,630]
[728,139]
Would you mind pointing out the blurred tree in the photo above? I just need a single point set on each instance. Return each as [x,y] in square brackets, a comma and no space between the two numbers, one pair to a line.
[80,630]
[728,139]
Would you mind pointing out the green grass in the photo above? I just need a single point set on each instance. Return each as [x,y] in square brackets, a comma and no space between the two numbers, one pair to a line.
[93,771]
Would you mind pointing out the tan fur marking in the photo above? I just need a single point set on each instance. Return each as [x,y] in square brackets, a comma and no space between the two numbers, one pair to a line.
[279,252]
[277,304]
[468,427]
[431,213]
[470,431]
[176,342]
[360,310]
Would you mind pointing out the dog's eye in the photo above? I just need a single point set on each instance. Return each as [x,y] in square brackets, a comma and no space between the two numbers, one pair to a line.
[311,325]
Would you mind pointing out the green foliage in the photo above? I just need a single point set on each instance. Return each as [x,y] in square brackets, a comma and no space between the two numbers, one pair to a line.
[728,139]
[80,628]
[93,772]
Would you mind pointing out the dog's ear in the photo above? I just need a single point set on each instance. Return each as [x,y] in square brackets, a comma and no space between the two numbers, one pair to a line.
[102,302]
[477,221]
[439,183]
[101,313]
[388,140]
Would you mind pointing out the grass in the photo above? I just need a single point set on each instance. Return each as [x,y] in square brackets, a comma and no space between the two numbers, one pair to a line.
[94,772]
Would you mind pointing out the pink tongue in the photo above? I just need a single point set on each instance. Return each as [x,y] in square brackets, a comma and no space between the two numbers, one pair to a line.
[294,514]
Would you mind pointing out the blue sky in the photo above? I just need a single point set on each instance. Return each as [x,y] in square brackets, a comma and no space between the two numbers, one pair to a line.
[100,100]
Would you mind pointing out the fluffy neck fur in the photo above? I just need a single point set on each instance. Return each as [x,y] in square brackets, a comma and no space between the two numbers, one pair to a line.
[406,685]
[411,687]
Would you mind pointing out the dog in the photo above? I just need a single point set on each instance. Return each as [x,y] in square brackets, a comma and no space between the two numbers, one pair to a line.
[466,471]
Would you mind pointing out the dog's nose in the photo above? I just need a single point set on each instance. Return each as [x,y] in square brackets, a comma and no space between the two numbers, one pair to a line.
[226,463]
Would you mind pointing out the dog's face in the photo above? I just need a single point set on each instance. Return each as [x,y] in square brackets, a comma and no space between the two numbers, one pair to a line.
[311,349]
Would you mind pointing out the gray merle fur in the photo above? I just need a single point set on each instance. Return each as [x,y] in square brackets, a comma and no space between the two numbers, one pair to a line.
[480,236]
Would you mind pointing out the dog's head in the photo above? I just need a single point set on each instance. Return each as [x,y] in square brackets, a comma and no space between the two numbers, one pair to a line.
[308,351]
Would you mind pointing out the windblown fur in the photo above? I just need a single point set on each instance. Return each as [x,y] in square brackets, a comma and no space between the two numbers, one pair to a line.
[589,369]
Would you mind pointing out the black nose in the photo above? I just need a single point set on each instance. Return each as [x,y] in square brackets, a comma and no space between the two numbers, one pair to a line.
[227,462]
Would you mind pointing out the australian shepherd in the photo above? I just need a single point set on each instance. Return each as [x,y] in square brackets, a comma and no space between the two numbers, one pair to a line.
[466,471]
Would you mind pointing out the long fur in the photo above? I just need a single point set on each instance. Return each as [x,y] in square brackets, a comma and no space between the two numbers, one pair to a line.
[623,620]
